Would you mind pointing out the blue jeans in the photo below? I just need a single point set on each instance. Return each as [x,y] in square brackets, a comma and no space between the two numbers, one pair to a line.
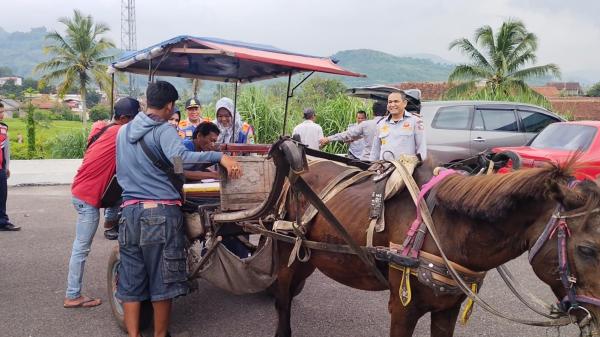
[88,217]
[152,247]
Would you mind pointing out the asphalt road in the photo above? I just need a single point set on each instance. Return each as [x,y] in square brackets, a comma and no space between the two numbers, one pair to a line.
[33,269]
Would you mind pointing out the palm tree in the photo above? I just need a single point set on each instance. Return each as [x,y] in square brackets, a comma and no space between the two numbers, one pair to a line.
[499,63]
[78,57]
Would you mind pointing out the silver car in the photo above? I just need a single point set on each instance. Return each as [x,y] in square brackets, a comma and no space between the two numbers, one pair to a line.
[457,130]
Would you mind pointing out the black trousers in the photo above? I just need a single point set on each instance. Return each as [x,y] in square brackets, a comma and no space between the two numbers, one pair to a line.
[3,196]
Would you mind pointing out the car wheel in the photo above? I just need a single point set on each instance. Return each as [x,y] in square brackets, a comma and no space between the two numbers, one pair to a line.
[502,158]
[116,306]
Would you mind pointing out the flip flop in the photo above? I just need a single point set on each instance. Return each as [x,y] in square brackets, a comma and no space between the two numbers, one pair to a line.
[85,302]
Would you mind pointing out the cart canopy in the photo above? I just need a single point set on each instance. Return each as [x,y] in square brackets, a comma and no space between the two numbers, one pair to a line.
[222,60]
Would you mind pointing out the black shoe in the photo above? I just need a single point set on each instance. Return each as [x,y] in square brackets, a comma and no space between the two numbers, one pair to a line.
[112,233]
[9,228]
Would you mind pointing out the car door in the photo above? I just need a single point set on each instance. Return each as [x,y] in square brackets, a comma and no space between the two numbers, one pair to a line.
[495,125]
[533,121]
[448,134]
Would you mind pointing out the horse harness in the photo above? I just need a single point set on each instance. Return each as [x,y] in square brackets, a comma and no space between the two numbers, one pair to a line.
[558,225]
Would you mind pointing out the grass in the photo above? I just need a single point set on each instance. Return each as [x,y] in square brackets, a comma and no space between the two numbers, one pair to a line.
[46,133]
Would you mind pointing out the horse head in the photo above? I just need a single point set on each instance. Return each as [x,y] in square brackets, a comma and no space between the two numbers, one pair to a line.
[569,258]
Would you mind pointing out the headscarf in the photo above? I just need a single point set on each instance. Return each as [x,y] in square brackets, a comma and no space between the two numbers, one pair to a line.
[225,135]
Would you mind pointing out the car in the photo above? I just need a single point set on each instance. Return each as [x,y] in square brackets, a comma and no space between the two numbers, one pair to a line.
[457,130]
[558,142]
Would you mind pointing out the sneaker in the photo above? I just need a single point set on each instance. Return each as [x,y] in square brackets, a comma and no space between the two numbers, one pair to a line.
[8,227]
[112,233]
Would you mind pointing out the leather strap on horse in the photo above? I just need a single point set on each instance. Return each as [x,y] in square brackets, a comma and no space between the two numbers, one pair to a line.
[414,191]
[313,198]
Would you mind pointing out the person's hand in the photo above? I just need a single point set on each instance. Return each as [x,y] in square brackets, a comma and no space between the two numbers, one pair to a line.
[7,173]
[323,141]
[232,166]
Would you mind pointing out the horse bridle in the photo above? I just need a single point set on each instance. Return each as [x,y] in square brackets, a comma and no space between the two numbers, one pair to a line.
[558,225]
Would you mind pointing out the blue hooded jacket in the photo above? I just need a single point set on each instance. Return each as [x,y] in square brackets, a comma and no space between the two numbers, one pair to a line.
[137,175]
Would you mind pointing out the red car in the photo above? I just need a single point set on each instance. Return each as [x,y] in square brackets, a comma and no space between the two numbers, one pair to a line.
[558,141]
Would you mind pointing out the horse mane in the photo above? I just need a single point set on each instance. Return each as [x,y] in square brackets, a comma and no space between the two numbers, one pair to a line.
[493,197]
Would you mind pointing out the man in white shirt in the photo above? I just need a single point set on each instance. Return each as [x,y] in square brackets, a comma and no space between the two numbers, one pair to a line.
[309,131]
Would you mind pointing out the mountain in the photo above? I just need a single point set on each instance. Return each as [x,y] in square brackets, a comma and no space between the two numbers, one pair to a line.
[22,51]
[383,68]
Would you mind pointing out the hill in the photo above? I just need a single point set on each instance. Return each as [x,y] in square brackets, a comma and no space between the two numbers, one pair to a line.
[383,68]
[22,51]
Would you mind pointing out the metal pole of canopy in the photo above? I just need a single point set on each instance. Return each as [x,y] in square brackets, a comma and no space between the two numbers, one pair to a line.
[289,95]
[112,96]
[287,101]
[235,94]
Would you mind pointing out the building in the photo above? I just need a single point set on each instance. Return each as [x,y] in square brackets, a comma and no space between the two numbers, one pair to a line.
[567,88]
[18,81]
[12,108]
[547,91]
[430,91]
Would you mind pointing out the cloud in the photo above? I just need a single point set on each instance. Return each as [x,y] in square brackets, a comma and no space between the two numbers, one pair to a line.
[565,29]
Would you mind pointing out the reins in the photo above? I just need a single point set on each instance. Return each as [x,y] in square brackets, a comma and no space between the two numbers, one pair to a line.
[426,215]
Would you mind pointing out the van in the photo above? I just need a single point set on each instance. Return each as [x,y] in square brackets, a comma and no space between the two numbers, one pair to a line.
[457,130]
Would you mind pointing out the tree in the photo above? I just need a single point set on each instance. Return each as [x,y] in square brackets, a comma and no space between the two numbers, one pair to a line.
[594,90]
[78,57]
[99,112]
[499,62]
[30,124]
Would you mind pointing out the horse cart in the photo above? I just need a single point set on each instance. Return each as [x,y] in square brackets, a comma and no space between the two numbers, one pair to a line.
[428,236]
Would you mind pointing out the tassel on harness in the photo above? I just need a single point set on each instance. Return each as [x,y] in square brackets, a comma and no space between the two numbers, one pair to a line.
[468,310]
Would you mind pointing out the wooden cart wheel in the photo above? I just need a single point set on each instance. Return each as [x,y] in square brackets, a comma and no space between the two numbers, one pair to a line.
[112,277]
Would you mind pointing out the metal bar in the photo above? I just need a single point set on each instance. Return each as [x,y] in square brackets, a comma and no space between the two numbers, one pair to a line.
[299,84]
[235,94]
[112,96]
[287,101]
[199,51]
[150,71]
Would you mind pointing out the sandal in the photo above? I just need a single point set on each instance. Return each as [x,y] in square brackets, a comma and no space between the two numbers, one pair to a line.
[82,302]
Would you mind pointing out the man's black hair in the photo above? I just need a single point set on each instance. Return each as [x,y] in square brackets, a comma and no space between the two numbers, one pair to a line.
[309,113]
[379,108]
[1,105]
[205,128]
[160,93]
[361,112]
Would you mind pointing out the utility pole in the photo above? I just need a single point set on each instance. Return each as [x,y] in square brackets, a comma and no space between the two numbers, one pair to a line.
[128,35]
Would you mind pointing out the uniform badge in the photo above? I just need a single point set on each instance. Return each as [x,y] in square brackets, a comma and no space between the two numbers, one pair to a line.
[420,125]
[406,125]
[385,129]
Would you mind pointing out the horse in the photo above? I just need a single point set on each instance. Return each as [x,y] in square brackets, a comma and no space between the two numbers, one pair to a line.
[483,222]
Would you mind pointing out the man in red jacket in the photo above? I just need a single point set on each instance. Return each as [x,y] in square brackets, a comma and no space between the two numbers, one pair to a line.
[92,179]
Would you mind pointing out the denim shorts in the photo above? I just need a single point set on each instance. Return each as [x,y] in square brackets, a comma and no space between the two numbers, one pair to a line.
[152,248]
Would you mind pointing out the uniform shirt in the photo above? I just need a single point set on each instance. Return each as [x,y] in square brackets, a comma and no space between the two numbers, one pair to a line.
[406,136]
[97,168]
[310,133]
[365,130]
[186,129]
[357,146]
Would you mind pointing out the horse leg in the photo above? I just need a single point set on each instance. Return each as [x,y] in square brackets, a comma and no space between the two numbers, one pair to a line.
[443,322]
[289,283]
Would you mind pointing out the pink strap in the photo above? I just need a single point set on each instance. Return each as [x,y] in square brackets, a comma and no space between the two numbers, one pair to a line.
[414,227]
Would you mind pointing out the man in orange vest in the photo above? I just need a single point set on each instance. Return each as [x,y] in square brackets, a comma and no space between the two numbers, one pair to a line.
[193,108]
[5,224]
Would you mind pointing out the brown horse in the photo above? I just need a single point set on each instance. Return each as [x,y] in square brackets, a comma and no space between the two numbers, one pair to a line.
[483,222]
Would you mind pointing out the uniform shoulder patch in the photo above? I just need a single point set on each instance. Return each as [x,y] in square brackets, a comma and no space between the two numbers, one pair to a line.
[420,125]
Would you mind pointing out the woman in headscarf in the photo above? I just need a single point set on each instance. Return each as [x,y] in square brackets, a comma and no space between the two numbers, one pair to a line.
[244,132]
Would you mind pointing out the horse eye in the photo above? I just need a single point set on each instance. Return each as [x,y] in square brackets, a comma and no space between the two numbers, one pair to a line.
[586,251]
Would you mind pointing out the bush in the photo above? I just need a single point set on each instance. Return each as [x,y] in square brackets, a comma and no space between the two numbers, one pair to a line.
[68,145]
[99,112]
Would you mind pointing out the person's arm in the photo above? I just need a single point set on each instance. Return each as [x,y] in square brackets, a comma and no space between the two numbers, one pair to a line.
[420,140]
[376,148]
[172,146]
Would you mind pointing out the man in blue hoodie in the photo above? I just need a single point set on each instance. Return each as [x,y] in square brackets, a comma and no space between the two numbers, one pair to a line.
[151,237]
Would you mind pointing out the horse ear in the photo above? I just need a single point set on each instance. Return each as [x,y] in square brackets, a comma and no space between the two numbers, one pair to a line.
[565,195]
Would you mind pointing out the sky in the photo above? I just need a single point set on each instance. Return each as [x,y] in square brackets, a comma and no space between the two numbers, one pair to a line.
[568,31]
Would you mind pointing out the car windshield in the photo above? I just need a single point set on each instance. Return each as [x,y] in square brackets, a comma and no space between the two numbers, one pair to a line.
[568,137]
